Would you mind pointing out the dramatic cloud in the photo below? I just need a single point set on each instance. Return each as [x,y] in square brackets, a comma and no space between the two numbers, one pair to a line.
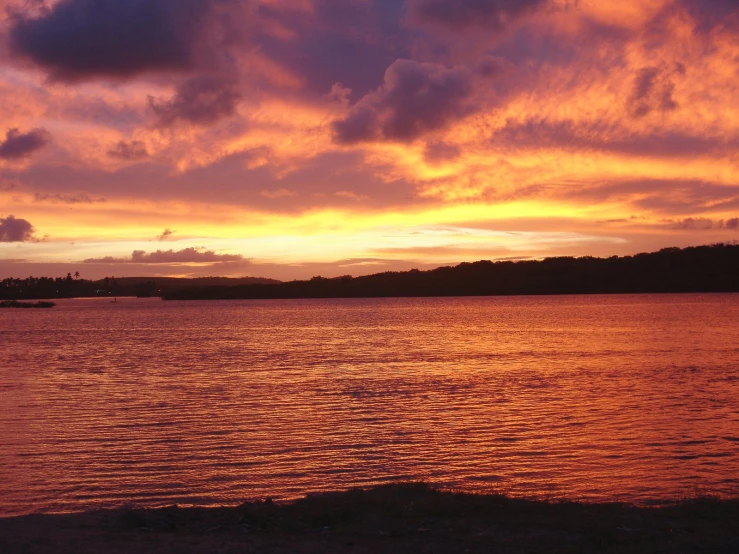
[21,145]
[80,39]
[494,15]
[184,256]
[311,131]
[414,99]
[134,150]
[202,100]
[13,229]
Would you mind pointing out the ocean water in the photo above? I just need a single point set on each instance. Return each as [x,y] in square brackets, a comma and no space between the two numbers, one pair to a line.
[151,403]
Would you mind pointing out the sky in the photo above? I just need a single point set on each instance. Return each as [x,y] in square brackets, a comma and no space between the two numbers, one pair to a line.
[294,138]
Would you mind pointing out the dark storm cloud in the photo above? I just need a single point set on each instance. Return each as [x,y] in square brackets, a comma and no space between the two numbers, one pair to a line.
[134,150]
[14,229]
[80,39]
[414,99]
[653,90]
[201,100]
[733,224]
[20,145]
[185,256]
[494,15]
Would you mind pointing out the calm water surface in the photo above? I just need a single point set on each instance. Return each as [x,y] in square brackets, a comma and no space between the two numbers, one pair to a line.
[150,403]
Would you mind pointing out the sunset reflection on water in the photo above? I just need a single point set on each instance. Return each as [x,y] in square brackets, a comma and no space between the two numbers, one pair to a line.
[631,398]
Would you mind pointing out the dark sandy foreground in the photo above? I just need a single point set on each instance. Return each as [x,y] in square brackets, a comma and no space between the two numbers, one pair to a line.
[398,518]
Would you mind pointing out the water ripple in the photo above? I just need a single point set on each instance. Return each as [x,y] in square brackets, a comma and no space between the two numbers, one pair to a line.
[630,398]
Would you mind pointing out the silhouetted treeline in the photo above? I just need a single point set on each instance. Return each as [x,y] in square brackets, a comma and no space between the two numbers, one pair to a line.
[696,269]
[74,287]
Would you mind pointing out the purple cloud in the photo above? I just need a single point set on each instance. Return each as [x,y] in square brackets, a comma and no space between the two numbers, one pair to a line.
[704,224]
[66,198]
[568,134]
[652,91]
[440,152]
[185,256]
[201,100]
[21,145]
[669,197]
[134,150]
[13,229]
[694,224]
[414,99]
[494,15]
[709,13]
[351,42]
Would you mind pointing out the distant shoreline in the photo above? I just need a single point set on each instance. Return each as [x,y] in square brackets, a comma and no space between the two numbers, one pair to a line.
[392,519]
[702,269]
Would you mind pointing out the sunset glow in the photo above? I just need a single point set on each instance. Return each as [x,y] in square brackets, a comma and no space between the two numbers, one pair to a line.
[291,138]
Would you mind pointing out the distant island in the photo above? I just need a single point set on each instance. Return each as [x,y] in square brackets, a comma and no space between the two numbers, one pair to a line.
[16,304]
[73,287]
[712,268]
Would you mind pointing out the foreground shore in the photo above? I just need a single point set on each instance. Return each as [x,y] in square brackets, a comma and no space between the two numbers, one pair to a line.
[389,519]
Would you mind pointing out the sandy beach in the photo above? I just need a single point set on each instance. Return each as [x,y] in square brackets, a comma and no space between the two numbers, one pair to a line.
[397,518]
